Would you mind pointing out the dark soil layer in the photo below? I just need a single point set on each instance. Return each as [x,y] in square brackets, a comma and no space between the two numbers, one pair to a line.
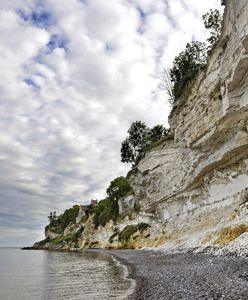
[185,276]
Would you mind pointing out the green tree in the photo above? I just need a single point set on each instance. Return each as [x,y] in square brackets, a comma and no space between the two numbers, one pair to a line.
[108,208]
[140,137]
[187,65]
[157,133]
[213,21]
[132,148]
[118,188]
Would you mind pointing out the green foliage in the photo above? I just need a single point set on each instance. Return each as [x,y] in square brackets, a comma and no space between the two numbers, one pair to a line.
[113,236]
[84,219]
[129,230]
[132,148]
[142,226]
[139,138]
[213,21]
[66,238]
[108,209]
[59,224]
[156,133]
[118,188]
[105,211]
[187,65]
[79,232]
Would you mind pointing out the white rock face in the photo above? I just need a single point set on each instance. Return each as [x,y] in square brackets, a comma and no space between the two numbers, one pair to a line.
[196,183]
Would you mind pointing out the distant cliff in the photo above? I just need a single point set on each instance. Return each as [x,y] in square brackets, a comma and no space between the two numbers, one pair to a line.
[190,191]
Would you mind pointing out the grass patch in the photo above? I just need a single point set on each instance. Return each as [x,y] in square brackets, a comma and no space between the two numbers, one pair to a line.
[229,234]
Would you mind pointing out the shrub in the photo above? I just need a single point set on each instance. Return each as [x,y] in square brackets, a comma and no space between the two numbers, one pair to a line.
[129,230]
[106,210]
[79,232]
[213,21]
[187,65]
[113,236]
[66,238]
[118,188]
[134,147]
[59,224]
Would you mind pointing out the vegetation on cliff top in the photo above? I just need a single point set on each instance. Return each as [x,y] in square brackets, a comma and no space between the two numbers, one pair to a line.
[58,224]
[108,208]
[192,60]
[140,139]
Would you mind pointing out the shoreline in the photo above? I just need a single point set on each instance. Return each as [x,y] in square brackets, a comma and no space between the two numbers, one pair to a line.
[157,275]
[183,276]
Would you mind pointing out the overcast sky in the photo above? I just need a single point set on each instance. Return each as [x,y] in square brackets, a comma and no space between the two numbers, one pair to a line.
[74,76]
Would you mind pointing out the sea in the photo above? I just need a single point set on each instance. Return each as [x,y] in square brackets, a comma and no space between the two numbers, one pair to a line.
[50,275]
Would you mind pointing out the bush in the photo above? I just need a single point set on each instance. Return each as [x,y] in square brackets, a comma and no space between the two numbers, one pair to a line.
[79,232]
[118,188]
[113,236]
[59,224]
[66,238]
[129,230]
[187,65]
[106,210]
[213,21]
[134,147]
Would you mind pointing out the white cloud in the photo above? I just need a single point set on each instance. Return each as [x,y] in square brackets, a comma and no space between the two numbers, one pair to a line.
[74,77]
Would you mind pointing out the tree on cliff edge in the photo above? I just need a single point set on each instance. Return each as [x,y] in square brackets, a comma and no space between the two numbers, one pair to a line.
[132,148]
[213,21]
[140,137]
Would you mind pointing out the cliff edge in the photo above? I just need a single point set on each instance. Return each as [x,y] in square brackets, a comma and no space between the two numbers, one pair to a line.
[191,191]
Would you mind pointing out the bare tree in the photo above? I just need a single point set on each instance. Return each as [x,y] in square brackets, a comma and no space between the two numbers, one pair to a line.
[166,85]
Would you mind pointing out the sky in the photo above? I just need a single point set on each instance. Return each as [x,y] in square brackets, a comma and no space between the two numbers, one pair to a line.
[74,76]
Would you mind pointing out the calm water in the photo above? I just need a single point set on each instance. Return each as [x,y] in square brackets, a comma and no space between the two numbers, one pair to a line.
[60,275]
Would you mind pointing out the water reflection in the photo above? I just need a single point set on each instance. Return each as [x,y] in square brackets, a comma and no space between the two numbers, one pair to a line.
[60,275]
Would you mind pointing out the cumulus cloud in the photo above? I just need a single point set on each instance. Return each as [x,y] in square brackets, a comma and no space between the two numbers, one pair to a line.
[74,75]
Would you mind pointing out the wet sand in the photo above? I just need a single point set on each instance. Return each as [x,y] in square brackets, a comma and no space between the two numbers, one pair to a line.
[184,276]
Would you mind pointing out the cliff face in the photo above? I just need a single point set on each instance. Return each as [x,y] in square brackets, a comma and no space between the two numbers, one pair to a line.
[192,191]
[197,184]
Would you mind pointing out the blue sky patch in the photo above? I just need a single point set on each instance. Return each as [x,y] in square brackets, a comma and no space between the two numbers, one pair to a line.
[38,18]
[41,19]
[57,41]
[142,14]
[31,83]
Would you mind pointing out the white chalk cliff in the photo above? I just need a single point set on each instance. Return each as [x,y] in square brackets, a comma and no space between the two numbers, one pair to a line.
[197,183]
[192,190]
